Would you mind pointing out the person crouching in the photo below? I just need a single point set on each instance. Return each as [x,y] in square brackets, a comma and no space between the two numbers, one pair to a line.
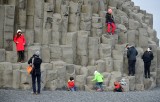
[117,87]
[71,84]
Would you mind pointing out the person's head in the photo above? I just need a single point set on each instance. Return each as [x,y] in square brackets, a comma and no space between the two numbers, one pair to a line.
[115,83]
[71,78]
[37,53]
[149,49]
[95,72]
[127,46]
[19,31]
[109,11]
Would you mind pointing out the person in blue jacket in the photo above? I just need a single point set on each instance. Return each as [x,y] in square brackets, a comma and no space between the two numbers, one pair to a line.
[131,55]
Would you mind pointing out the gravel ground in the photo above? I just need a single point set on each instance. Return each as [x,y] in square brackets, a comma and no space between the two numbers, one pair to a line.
[79,96]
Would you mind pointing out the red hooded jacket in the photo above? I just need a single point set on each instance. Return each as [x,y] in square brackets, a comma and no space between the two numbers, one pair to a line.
[20,42]
[70,84]
[117,85]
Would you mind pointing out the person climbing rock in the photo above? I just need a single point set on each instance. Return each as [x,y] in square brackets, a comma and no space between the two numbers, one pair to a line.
[99,80]
[110,22]
[147,58]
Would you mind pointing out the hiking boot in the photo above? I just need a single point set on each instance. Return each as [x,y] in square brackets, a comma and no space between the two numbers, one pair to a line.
[22,61]
[37,93]
[33,93]
[145,76]
[99,90]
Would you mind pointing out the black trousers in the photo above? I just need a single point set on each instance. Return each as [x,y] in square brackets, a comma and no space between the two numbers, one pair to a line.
[147,69]
[131,66]
[20,56]
[38,77]
[118,90]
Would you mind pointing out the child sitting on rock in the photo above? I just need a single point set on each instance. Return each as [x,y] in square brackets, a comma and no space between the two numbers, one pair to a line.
[71,84]
[117,87]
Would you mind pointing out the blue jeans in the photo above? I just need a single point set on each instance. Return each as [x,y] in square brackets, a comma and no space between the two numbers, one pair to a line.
[73,88]
[34,77]
[99,85]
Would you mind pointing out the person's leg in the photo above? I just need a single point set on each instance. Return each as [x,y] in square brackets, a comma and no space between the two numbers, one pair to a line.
[38,82]
[145,70]
[133,67]
[18,53]
[119,90]
[129,66]
[108,27]
[75,88]
[22,56]
[113,28]
[148,69]
[34,83]
[101,87]
[97,85]
[72,89]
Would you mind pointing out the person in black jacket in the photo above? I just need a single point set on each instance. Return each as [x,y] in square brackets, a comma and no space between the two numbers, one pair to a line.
[131,55]
[36,73]
[147,57]
[110,22]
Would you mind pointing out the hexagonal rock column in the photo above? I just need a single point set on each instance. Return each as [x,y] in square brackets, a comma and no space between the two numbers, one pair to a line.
[82,48]
[8,26]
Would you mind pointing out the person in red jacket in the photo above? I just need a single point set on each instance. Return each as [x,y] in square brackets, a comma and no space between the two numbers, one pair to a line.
[117,87]
[20,41]
[71,84]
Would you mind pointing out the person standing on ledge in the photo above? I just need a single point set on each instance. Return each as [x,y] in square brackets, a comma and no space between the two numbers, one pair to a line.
[147,57]
[131,55]
[110,22]
[20,41]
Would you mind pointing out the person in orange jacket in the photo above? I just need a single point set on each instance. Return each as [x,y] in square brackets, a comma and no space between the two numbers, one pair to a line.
[117,87]
[71,84]
[20,41]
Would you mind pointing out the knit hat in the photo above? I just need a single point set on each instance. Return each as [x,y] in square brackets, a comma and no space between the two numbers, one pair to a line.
[95,72]
[148,49]
[109,11]
[37,53]
[19,30]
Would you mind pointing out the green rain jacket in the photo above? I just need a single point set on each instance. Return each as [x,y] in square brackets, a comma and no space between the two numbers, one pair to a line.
[98,77]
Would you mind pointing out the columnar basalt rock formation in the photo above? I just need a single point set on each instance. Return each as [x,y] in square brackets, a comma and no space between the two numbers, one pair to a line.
[70,34]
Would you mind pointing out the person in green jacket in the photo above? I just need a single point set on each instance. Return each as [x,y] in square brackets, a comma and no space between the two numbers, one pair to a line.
[99,80]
